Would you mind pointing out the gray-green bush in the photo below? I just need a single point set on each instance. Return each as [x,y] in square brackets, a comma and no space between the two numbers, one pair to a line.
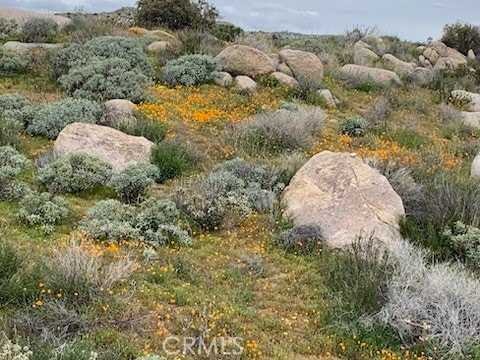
[42,209]
[301,239]
[8,28]
[104,79]
[192,69]
[155,221]
[465,241]
[131,183]
[73,173]
[236,187]
[282,130]
[38,30]
[11,164]
[12,62]
[353,126]
[49,119]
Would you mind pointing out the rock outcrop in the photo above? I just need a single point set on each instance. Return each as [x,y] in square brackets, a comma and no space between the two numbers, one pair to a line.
[245,60]
[369,74]
[304,65]
[117,111]
[21,46]
[110,145]
[345,197]
[472,99]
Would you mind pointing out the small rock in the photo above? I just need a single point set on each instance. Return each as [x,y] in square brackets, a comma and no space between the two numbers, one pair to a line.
[117,111]
[158,46]
[223,79]
[245,84]
[286,80]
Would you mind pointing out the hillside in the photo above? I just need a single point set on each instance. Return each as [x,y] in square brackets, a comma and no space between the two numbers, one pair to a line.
[166,194]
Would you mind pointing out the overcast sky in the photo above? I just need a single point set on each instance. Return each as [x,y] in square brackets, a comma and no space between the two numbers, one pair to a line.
[408,19]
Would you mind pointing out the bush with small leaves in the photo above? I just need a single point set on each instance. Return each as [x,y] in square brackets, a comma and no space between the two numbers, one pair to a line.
[465,240]
[12,62]
[155,221]
[462,37]
[192,69]
[171,159]
[8,28]
[10,129]
[236,187]
[353,126]
[302,238]
[51,118]
[227,32]
[42,209]
[11,164]
[39,30]
[131,183]
[105,79]
[73,173]
[283,130]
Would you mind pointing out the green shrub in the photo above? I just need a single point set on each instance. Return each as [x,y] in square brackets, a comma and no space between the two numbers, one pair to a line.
[171,160]
[192,69]
[155,221]
[227,32]
[465,241]
[283,130]
[73,173]
[131,183]
[12,62]
[462,37]
[353,126]
[38,30]
[51,118]
[176,14]
[8,28]
[104,79]
[155,131]
[301,239]
[9,130]
[42,209]
[11,164]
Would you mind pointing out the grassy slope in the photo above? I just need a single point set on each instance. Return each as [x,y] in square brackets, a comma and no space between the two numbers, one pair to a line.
[282,314]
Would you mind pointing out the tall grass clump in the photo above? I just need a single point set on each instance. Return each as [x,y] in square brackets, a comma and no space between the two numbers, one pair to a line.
[155,131]
[73,173]
[171,159]
[282,130]
[49,119]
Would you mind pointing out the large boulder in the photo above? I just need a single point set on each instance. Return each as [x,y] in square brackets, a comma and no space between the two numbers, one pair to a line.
[435,51]
[245,60]
[363,55]
[304,65]
[110,145]
[471,118]
[442,57]
[472,99]
[449,63]
[346,198]
[369,74]
[397,65]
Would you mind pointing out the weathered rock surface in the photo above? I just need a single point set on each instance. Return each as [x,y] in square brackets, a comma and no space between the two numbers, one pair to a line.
[117,111]
[21,16]
[113,146]
[442,57]
[20,46]
[245,84]
[471,118]
[345,197]
[365,56]
[285,79]
[245,60]
[223,79]
[475,169]
[304,65]
[472,98]
[397,65]
[327,95]
[283,68]
[158,46]
[378,76]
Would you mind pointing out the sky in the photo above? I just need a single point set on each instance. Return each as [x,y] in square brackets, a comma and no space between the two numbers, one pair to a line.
[411,20]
